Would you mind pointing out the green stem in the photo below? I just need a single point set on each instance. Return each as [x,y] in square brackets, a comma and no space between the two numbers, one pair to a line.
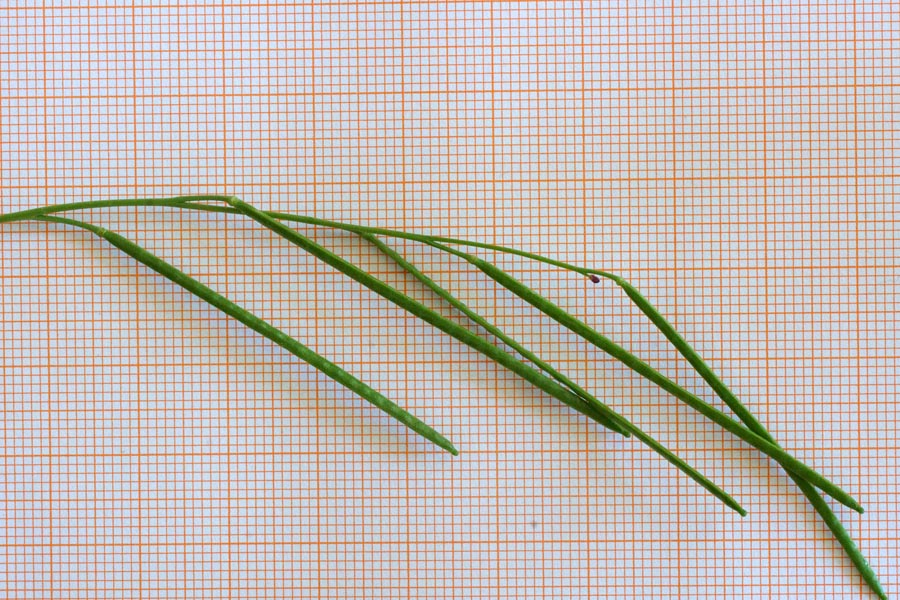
[191,202]
[395,233]
[709,411]
[176,202]
[262,327]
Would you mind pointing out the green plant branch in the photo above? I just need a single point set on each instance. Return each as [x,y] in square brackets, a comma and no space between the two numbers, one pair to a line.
[528,373]
[262,327]
[197,202]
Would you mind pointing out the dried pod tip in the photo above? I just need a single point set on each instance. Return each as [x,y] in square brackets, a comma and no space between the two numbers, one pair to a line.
[594,278]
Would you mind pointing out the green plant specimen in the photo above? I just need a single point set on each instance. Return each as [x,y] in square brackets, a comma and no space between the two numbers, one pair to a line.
[542,375]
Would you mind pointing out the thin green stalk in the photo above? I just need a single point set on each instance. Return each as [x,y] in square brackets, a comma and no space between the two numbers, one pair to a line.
[191,202]
[628,427]
[262,327]
[194,203]
[644,369]
[734,403]
[175,202]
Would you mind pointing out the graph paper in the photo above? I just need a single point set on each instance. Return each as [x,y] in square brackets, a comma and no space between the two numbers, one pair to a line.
[735,161]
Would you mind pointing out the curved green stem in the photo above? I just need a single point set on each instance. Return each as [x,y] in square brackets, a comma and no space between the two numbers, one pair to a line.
[193,203]
[395,233]
[175,202]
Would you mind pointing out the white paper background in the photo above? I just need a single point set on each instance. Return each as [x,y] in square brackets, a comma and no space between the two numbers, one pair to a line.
[736,162]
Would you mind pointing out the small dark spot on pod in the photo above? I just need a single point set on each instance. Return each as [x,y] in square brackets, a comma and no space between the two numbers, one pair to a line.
[594,278]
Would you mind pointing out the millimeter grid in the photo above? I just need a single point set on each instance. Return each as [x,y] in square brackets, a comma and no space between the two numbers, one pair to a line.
[736,162]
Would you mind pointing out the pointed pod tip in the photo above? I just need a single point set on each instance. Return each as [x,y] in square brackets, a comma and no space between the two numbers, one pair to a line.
[733,504]
[447,445]
[851,503]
